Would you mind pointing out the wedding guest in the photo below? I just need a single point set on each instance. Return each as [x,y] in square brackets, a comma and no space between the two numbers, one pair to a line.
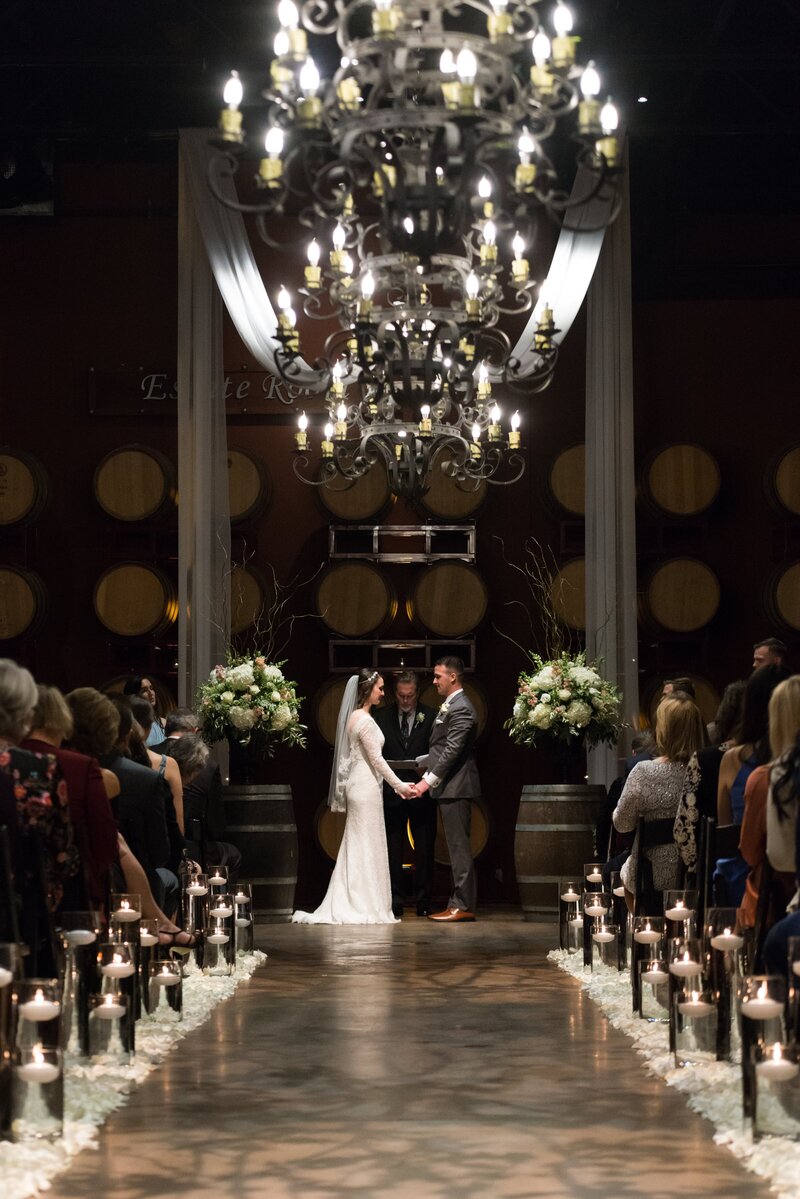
[406,726]
[682,683]
[653,790]
[784,727]
[39,791]
[204,808]
[769,652]
[144,752]
[699,796]
[142,686]
[451,775]
[752,743]
[89,806]
[783,834]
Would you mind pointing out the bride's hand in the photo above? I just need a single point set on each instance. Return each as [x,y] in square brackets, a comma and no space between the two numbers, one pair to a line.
[409,791]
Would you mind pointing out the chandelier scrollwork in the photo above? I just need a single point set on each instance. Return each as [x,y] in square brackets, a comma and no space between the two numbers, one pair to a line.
[419,171]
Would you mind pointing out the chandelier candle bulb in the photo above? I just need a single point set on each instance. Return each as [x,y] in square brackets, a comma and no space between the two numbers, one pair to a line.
[39,1008]
[495,432]
[270,169]
[425,424]
[280,75]
[340,431]
[338,237]
[309,107]
[485,192]
[349,93]
[301,436]
[513,437]
[499,23]
[484,382]
[589,107]
[776,1066]
[467,70]
[230,119]
[563,47]
[520,266]
[489,243]
[327,444]
[289,18]
[384,19]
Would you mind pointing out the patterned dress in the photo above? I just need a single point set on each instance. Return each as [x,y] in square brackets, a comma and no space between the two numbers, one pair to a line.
[652,792]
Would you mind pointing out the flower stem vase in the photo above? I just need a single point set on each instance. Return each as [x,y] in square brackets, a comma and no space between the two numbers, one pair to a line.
[554,836]
[247,764]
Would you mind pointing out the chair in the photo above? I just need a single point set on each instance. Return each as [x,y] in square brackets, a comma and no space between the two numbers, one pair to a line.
[9,922]
[714,842]
[650,834]
[770,909]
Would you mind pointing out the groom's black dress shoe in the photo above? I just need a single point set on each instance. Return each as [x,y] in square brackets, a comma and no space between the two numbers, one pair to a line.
[423,909]
[397,911]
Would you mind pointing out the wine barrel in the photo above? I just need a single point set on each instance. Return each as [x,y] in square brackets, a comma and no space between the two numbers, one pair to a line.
[476,693]
[448,499]
[357,501]
[327,703]
[23,602]
[783,481]
[354,599]
[259,820]
[681,481]
[568,593]
[567,480]
[248,485]
[329,830]
[706,696]
[681,595]
[250,597]
[135,483]
[479,832]
[23,487]
[781,598]
[135,600]
[449,599]
[553,838]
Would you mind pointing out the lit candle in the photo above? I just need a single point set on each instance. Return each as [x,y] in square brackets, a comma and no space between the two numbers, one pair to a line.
[489,242]
[338,237]
[495,432]
[646,935]
[467,70]
[475,449]
[197,889]
[242,921]
[223,911]
[541,77]
[384,19]
[576,922]
[166,977]
[327,444]
[349,93]
[340,432]
[313,272]
[484,383]
[39,1008]
[270,169]
[147,938]
[776,1066]
[218,938]
[589,107]
[110,1008]
[485,192]
[230,119]
[679,911]
[570,896]
[526,169]
[603,936]
[513,437]
[684,967]
[655,975]
[760,1006]
[695,1006]
[125,914]
[727,940]
[472,287]
[499,22]
[364,307]
[594,876]
[38,1070]
[217,879]
[563,43]
[301,436]
[241,897]
[595,908]
[425,424]
[289,19]
[450,87]
[79,936]
[118,967]
[607,145]
[310,106]
[520,266]
[281,75]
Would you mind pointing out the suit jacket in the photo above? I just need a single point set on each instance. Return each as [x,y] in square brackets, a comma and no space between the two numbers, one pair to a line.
[141,806]
[388,721]
[451,756]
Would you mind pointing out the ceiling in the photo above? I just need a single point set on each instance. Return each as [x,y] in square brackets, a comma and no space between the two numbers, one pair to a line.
[710,150]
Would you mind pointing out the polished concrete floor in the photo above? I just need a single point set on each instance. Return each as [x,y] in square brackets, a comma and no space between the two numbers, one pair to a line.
[420,1061]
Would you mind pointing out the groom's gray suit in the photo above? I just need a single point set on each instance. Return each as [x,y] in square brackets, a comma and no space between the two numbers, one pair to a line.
[451,759]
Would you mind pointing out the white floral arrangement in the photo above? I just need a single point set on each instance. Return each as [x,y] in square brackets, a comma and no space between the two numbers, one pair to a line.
[567,699]
[248,696]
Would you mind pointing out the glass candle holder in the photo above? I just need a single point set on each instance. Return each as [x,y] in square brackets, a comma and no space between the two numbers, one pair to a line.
[569,904]
[724,941]
[118,968]
[37,1106]
[593,876]
[217,878]
[217,958]
[221,906]
[148,950]
[763,998]
[109,1027]
[166,990]
[243,917]
[793,1001]
[10,969]
[680,909]
[776,1108]
[647,942]
[605,949]
[575,933]
[124,907]
[38,1003]
[78,932]
[596,906]
[762,1006]
[686,959]
[654,990]
[695,1038]
[115,960]
[194,903]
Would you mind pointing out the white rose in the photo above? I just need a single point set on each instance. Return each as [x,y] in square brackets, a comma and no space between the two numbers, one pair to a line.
[242,718]
[275,697]
[227,697]
[281,717]
[564,693]
[546,677]
[584,676]
[241,677]
[273,672]
[545,697]
[532,716]
[579,713]
[541,716]
[254,689]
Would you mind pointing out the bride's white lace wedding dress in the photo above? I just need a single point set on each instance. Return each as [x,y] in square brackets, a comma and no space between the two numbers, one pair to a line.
[360,890]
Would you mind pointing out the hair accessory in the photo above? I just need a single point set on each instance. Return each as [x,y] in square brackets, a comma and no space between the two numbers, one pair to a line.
[373,677]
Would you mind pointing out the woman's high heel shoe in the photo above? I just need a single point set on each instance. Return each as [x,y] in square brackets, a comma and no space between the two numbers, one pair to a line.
[179,942]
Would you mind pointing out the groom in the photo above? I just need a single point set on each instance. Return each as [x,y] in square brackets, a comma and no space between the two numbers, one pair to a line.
[451,775]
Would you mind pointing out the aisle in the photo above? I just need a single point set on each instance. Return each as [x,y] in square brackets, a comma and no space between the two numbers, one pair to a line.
[415,1061]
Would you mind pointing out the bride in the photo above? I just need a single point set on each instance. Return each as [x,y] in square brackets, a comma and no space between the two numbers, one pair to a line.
[360,891]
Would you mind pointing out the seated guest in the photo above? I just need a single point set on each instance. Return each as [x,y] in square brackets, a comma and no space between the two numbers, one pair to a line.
[142,686]
[784,727]
[653,790]
[144,752]
[89,807]
[699,796]
[783,833]
[204,808]
[682,683]
[769,652]
[40,794]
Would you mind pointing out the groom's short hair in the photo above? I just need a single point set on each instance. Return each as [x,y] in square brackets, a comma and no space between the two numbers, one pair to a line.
[406,677]
[454,665]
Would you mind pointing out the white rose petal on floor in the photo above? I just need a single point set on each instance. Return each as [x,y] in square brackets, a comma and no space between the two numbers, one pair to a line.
[714,1090]
[94,1089]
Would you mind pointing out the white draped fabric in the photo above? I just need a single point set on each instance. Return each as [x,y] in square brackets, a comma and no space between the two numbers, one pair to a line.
[611,632]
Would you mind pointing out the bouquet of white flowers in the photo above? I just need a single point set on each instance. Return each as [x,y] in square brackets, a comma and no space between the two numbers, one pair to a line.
[250,696]
[567,699]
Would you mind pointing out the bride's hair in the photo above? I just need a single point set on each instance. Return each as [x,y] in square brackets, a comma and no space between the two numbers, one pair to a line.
[366,681]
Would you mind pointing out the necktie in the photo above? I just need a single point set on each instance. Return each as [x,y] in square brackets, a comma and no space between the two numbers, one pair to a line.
[404,729]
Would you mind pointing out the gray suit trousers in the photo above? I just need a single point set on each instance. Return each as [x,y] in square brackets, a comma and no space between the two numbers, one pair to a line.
[456,819]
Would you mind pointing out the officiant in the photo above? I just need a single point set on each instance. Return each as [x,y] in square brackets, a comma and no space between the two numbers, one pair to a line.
[406,726]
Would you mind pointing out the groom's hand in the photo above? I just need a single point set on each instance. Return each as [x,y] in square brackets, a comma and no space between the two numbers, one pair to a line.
[421,787]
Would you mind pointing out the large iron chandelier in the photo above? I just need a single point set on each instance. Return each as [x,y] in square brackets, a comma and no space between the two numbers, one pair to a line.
[419,171]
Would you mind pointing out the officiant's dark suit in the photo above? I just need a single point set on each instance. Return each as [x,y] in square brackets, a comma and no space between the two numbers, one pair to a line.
[420,813]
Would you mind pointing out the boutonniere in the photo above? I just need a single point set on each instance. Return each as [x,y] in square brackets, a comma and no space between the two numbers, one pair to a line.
[445,708]
[420,718]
